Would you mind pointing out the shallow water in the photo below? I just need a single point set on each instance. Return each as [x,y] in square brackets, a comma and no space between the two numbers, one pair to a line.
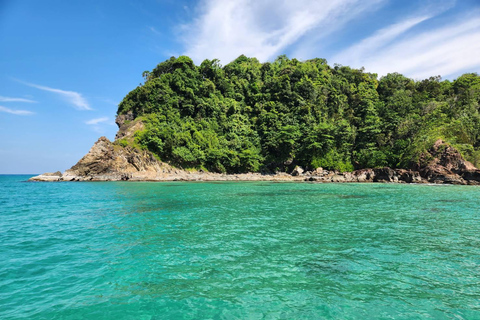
[249,250]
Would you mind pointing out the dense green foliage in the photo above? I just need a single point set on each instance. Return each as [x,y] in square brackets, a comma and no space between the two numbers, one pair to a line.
[249,116]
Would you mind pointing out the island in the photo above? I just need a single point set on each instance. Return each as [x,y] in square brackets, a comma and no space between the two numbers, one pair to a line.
[288,120]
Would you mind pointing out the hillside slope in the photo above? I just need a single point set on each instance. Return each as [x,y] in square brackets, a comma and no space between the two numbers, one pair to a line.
[253,117]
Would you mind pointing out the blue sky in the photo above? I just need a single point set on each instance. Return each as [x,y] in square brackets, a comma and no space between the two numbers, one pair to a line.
[65,65]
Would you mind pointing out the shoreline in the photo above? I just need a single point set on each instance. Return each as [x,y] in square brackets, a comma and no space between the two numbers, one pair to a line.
[107,161]
[377,175]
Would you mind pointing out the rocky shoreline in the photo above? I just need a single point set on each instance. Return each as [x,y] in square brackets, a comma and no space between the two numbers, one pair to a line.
[107,161]
[114,161]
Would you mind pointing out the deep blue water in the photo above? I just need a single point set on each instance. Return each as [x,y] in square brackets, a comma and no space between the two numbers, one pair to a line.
[250,250]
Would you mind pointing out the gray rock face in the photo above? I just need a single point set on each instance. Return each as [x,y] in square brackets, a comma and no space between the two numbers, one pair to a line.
[127,126]
[53,174]
[385,175]
[122,119]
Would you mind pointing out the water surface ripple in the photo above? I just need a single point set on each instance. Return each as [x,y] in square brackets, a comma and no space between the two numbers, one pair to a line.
[251,250]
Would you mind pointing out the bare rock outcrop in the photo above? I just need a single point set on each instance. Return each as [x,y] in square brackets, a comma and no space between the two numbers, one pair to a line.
[109,161]
[48,176]
[444,164]
[127,126]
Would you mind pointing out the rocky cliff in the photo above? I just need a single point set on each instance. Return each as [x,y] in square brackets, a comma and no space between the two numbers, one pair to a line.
[111,161]
[120,160]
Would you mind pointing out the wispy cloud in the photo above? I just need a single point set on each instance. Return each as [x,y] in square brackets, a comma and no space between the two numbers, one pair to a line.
[155,31]
[72,97]
[97,121]
[16,112]
[380,39]
[98,124]
[9,99]
[262,29]
[445,51]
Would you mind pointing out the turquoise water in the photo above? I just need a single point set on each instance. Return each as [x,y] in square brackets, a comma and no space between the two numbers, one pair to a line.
[251,250]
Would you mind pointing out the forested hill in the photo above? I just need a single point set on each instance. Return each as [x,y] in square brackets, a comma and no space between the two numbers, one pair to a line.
[249,116]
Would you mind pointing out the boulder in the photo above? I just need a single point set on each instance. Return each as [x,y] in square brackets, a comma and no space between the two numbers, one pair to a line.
[297,171]
[385,174]
[364,175]
[338,178]
[350,177]
[409,176]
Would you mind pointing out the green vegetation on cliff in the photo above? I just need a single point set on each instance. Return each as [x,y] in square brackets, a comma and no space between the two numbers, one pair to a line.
[249,116]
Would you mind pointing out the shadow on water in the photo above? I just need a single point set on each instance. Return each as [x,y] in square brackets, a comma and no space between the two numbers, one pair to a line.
[323,267]
[433,209]
[451,200]
[296,193]
[216,182]
[351,196]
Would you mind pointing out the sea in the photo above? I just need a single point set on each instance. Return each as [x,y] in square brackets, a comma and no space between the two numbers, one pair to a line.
[238,250]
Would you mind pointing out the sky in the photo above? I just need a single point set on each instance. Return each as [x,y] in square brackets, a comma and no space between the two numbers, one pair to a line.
[65,65]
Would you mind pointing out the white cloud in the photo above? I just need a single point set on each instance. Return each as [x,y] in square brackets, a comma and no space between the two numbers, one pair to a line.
[380,39]
[16,112]
[444,51]
[74,98]
[97,121]
[9,99]
[262,29]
